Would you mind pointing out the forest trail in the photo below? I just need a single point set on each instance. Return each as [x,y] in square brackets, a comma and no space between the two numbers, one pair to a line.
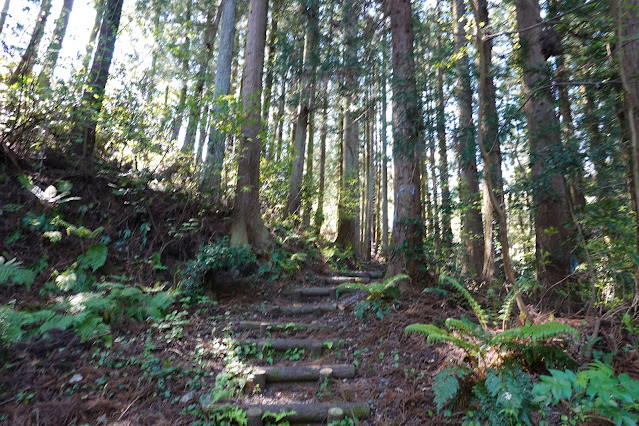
[295,374]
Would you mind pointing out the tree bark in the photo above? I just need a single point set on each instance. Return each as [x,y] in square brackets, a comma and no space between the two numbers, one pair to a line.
[4,13]
[407,250]
[627,19]
[247,226]
[53,51]
[553,245]
[319,213]
[311,41]
[185,52]
[489,134]
[270,63]
[470,197]
[280,119]
[215,157]
[204,58]
[384,143]
[84,129]
[99,13]
[348,205]
[30,54]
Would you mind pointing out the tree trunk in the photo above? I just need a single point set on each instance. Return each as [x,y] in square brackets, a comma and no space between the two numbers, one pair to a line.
[307,85]
[30,54]
[319,213]
[53,51]
[270,63]
[308,190]
[215,157]
[627,18]
[489,134]
[470,198]
[247,226]
[185,52]
[407,250]
[280,119]
[384,143]
[446,206]
[4,13]
[204,58]
[348,205]
[84,128]
[157,33]
[99,13]
[367,238]
[549,193]
[598,152]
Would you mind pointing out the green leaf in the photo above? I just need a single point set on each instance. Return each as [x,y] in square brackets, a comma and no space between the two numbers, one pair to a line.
[94,258]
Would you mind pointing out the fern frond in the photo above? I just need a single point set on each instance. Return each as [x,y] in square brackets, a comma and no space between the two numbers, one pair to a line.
[393,281]
[465,327]
[534,333]
[351,287]
[14,271]
[477,309]
[435,334]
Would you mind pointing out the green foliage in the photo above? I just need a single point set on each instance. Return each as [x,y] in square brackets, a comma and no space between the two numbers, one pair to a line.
[13,272]
[381,296]
[282,263]
[591,393]
[77,277]
[215,257]
[493,363]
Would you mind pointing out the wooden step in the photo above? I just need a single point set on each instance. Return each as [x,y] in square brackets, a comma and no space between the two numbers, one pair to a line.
[375,274]
[302,309]
[307,373]
[343,279]
[265,326]
[313,292]
[314,346]
[313,412]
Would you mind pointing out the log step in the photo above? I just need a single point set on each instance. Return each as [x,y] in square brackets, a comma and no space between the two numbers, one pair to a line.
[376,274]
[343,279]
[313,292]
[307,373]
[265,326]
[314,412]
[314,346]
[303,309]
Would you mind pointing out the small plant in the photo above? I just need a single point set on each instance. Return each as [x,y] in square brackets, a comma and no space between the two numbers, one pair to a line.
[277,419]
[381,296]
[493,363]
[213,258]
[13,272]
[591,394]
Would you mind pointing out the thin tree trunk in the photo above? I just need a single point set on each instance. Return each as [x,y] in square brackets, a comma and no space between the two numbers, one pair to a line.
[348,205]
[280,119]
[469,195]
[598,152]
[270,64]
[30,54]
[4,13]
[407,250]
[384,143]
[204,58]
[311,41]
[627,18]
[99,13]
[157,33]
[53,51]
[553,244]
[309,186]
[489,134]
[435,186]
[247,226]
[84,129]
[215,157]
[185,52]
[370,177]
[319,213]
[446,206]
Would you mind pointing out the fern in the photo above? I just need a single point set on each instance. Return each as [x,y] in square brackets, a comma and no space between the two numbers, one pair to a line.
[13,271]
[446,385]
[534,333]
[435,334]
[94,258]
[376,291]
[476,307]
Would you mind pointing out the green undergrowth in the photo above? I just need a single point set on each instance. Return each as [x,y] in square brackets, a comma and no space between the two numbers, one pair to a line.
[381,296]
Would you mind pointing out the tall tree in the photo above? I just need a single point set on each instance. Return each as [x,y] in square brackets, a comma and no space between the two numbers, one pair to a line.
[348,204]
[470,198]
[30,54]
[53,51]
[185,55]
[204,58]
[247,226]
[84,127]
[215,156]
[489,134]
[549,193]
[627,19]
[311,40]
[4,13]
[407,251]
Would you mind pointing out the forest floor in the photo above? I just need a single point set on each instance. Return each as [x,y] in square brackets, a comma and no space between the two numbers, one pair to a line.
[160,371]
